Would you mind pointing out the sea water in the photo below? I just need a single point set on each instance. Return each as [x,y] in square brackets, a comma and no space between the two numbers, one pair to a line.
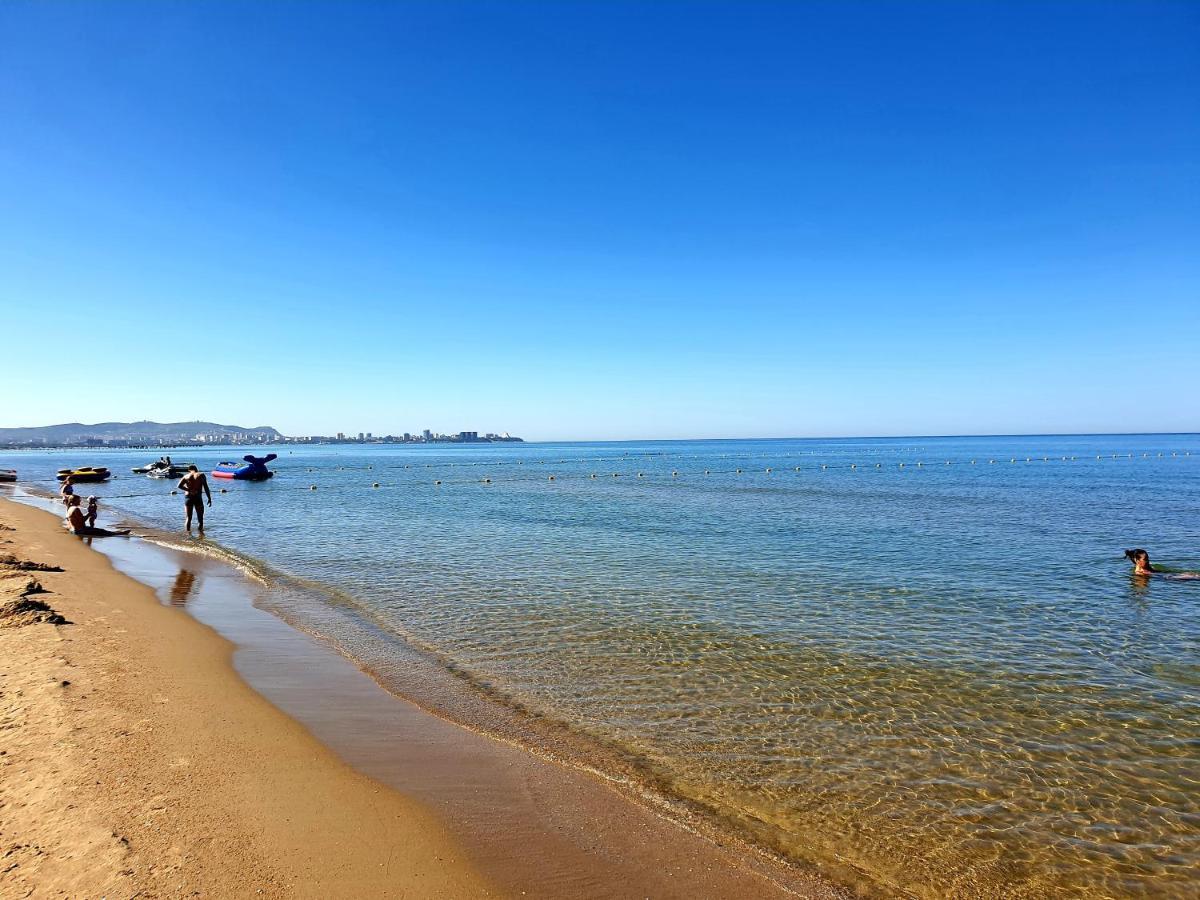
[920,663]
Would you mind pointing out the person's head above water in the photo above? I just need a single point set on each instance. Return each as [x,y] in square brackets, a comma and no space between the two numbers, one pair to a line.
[192,468]
[1141,561]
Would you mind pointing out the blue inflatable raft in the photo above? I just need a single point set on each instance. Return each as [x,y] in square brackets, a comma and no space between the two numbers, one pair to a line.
[255,468]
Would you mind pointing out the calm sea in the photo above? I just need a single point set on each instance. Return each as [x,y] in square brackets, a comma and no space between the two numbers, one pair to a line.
[939,675]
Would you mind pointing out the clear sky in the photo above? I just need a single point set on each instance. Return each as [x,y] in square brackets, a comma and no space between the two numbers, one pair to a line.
[602,220]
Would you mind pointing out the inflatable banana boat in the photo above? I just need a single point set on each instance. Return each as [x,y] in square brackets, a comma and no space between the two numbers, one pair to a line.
[84,474]
[255,468]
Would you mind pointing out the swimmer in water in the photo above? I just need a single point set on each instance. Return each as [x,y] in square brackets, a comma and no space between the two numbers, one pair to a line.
[1141,562]
[1141,566]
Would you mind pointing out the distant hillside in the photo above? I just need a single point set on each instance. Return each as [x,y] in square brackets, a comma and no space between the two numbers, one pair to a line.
[150,432]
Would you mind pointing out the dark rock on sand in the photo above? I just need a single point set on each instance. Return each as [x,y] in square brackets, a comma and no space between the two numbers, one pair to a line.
[8,561]
[28,611]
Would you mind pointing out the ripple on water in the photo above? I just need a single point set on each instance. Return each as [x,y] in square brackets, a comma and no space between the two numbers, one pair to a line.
[941,676]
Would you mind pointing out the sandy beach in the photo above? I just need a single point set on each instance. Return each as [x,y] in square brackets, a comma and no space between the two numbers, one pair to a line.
[137,761]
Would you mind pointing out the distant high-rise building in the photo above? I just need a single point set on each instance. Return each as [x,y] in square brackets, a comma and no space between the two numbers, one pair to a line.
[369,435]
[361,436]
[427,434]
[340,436]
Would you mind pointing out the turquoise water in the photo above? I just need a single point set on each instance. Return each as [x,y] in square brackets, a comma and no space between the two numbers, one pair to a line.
[938,678]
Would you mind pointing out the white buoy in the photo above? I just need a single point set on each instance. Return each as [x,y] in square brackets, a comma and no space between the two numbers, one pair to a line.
[376,484]
[312,487]
[437,482]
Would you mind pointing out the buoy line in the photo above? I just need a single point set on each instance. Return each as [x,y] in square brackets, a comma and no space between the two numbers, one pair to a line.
[673,474]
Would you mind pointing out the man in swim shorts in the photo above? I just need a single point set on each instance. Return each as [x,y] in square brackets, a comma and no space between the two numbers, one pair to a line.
[195,487]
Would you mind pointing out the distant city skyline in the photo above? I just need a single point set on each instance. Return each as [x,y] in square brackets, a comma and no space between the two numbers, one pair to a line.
[603,220]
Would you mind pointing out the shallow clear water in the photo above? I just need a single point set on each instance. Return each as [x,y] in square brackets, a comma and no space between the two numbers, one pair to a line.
[941,675]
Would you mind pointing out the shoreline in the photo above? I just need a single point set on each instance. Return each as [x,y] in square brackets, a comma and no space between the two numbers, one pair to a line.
[136,760]
[523,821]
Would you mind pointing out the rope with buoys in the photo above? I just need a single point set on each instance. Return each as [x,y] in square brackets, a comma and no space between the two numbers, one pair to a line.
[674,474]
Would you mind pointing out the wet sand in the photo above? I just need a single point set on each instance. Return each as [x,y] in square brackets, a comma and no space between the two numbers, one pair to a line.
[161,767]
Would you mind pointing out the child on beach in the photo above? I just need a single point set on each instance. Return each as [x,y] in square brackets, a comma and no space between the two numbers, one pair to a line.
[78,524]
[93,509]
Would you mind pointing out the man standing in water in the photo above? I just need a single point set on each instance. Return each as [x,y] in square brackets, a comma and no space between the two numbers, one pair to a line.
[194,486]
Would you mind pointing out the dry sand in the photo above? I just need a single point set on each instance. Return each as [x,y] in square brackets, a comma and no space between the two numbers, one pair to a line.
[135,761]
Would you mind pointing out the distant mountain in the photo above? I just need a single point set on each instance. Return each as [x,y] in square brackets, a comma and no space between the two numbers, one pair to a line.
[150,432]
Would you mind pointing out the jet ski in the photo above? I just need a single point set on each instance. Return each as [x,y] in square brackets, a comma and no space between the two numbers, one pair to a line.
[162,468]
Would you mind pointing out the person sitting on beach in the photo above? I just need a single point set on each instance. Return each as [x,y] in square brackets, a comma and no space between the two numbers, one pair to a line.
[1141,566]
[77,522]
[194,486]
[67,491]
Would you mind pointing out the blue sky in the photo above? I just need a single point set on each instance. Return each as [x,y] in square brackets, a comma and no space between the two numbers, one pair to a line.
[602,220]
